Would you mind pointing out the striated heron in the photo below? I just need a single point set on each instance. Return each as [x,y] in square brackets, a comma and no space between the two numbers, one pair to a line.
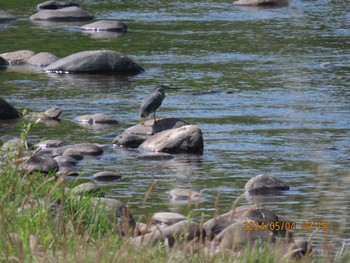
[152,102]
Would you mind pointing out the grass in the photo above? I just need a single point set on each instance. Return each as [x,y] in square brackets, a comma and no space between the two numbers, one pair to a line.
[40,221]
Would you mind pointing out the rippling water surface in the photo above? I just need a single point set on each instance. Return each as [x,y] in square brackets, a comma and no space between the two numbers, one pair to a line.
[269,87]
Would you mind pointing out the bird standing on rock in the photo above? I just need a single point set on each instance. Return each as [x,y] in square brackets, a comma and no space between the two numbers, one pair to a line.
[151,103]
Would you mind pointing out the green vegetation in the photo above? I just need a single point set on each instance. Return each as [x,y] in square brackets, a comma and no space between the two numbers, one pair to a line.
[40,221]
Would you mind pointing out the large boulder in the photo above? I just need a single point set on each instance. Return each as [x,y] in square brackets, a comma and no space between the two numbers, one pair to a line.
[19,57]
[5,16]
[7,111]
[71,13]
[106,25]
[265,184]
[40,163]
[186,139]
[42,59]
[262,2]
[96,61]
[137,134]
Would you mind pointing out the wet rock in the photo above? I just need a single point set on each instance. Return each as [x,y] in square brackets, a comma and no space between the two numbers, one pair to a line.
[71,13]
[15,144]
[84,149]
[53,113]
[137,134]
[96,61]
[96,118]
[187,139]
[167,218]
[5,16]
[19,57]
[67,171]
[262,2]
[55,5]
[42,59]
[185,194]
[264,184]
[106,176]
[73,153]
[88,188]
[7,111]
[49,144]
[66,161]
[106,25]
[3,63]
[40,163]
[155,156]
[184,232]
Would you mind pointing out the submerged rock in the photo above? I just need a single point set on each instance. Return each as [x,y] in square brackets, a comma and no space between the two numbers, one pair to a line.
[19,57]
[5,16]
[262,2]
[96,118]
[106,176]
[187,139]
[42,59]
[7,111]
[96,61]
[71,13]
[137,134]
[185,195]
[106,25]
[264,184]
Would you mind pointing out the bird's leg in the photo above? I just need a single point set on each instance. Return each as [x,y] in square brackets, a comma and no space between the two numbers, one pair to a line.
[142,121]
[154,118]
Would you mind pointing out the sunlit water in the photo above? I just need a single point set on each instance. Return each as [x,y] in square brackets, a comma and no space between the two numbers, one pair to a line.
[269,87]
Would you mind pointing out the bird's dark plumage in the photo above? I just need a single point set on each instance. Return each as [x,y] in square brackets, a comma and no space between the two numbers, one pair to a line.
[152,102]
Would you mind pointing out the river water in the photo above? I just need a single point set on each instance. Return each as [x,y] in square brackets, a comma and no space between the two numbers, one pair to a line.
[269,87]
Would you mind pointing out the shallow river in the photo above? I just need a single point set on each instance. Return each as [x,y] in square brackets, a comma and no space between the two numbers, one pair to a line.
[269,87]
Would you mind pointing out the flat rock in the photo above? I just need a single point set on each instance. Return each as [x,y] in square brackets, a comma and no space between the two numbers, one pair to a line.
[42,59]
[106,176]
[187,139]
[40,163]
[134,136]
[93,62]
[7,111]
[96,119]
[185,194]
[167,218]
[88,188]
[85,149]
[51,4]
[5,16]
[262,2]
[106,25]
[71,13]
[19,57]
[264,184]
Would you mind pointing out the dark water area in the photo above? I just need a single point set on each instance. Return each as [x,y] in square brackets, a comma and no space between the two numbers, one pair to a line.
[269,88]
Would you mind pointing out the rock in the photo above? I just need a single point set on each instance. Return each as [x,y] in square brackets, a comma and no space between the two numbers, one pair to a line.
[65,161]
[15,144]
[40,163]
[85,149]
[106,25]
[55,5]
[97,61]
[42,59]
[264,184]
[187,139]
[52,113]
[71,13]
[5,16]
[49,144]
[185,233]
[134,136]
[3,63]
[19,57]
[155,156]
[88,188]
[73,153]
[96,118]
[106,176]
[185,194]
[262,2]
[167,218]
[7,111]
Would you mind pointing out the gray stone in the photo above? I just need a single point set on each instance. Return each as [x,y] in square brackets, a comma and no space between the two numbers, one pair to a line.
[134,136]
[40,163]
[72,13]
[185,194]
[49,144]
[96,118]
[51,4]
[7,111]
[96,61]
[42,59]
[73,153]
[66,161]
[84,149]
[106,25]
[5,16]
[15,144]
[167,218]
[88,188]
[187,139]
[19,57]
[264,184]
[262,2]
[52,113]
[106,176]
[3,63]
[155,156]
